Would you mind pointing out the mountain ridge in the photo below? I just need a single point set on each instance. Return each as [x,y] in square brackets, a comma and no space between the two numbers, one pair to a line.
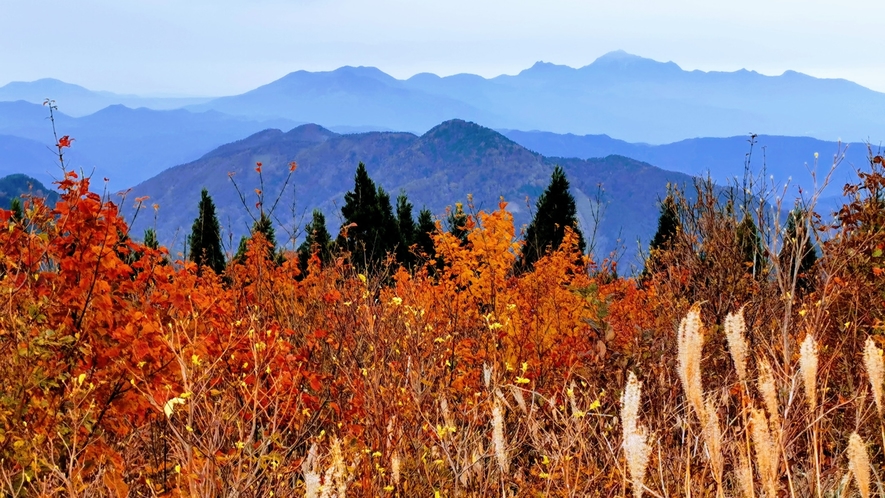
[633,98]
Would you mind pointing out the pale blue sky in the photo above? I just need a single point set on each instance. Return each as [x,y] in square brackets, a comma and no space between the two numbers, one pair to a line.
[220,47]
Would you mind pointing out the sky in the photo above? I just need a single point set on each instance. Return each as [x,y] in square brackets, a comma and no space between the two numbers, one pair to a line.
[224,47]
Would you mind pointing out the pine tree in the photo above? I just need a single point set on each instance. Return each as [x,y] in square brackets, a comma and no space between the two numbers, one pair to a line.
[205,238]
[407,230]
[372,229]
[317,239]
[457,223]
[264,226]
[798,249]
[668,225]
[750,245]
[555,211]
[389,235]
[668,228]
[150,239]
[16,207]
[423,235]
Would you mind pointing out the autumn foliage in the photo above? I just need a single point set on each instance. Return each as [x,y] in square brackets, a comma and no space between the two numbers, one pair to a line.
[126,373]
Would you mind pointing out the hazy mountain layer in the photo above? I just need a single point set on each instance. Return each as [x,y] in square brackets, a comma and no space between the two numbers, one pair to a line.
[124,145]
[622,95]
[436,170]
[79,101]
[786,159]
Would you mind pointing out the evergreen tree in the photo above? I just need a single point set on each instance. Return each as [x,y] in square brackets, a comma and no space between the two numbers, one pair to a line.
[372,229]
[798,249]
[555,211]
[423,239]
[750,245]
[16,207]
[457,223]
[389,235]
[668,228]
[205,238]
[316,238]
[668,225]
[264,226]
[150,239]
[407,230]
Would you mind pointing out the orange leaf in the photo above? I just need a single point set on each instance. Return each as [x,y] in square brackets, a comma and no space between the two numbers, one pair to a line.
[64,141]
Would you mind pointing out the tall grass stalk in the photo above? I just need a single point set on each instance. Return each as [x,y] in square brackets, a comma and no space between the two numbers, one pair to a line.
[859,464]
[808,363]
[636,447]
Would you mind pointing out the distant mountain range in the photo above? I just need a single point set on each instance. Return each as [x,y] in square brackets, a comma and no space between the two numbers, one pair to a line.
[436,170]
[78,101]
[125,145]
[622,95]
[776,160]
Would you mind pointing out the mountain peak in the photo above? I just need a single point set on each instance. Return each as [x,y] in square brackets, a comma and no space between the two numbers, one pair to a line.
[618,55]
[310,133]
[623,60]
[466,137]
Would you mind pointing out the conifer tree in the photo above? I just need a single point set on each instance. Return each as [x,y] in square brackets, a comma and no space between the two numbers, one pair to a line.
[389,235]
[423,234]
[205,238]
[798,249]
[750,245]
[407,230]
[372,229]
[264,226]
[555,210]
[457,223]
[668,228]
[150,239]
[317,238]
[668,225]
[16,207]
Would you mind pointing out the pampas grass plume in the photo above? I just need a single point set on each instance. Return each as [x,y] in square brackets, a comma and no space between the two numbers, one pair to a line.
[735,329]
[765,462]
[691,342]
[498,441]
[635,446]
[808,367]
[859,464]
[768,390]
[872,359]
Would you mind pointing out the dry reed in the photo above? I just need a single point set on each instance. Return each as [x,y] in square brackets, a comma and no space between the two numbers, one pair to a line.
[808,367]
[872,359]
[765,447]
[636,447]
[691,343]
[735,329]
[859,464]
[498,441]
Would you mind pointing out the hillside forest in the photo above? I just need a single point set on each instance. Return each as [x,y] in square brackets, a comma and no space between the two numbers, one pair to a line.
[404,355]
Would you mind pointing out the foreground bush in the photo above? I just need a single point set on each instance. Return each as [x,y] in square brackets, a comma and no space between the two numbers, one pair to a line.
[127,374]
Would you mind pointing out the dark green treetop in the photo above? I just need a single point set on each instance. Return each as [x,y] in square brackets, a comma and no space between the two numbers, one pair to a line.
[205,238]
[555,210]
[371,227]
[798,255]
[317,238]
